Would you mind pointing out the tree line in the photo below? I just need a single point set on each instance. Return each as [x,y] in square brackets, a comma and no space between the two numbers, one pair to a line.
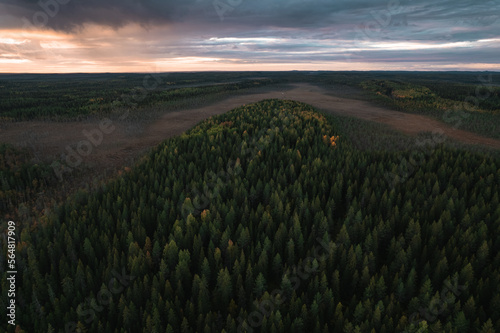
[203,243]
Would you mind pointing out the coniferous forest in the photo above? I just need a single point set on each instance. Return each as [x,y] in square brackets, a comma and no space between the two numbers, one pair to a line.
[269,219]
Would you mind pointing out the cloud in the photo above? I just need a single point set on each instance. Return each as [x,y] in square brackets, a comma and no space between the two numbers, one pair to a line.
[381,32]
[68,15]
[71,15]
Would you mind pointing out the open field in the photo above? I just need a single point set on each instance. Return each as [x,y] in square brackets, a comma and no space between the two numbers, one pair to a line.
[130,139]
[373,114]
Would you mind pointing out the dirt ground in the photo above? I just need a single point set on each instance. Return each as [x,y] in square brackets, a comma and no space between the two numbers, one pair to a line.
[126,141]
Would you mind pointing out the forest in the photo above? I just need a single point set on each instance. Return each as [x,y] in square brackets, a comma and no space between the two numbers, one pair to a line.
[268,218]
[21,180]
[80,96]
[480,102]
[87,96]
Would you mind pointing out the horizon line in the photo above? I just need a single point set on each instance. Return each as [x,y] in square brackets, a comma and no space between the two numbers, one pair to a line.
[253,71]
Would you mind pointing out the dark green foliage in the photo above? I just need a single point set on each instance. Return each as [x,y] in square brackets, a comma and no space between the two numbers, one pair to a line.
[212,222]
[479,103]
[78,96]
[22,181]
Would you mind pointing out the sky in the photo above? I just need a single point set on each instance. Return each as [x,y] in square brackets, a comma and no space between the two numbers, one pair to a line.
[68,36]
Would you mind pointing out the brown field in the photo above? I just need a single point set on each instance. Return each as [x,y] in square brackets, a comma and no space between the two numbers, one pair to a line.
[129,140]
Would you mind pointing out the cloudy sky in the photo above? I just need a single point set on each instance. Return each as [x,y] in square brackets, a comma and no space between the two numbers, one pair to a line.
[52,36]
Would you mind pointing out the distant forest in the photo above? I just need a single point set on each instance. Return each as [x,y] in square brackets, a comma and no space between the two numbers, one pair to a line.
[81,96]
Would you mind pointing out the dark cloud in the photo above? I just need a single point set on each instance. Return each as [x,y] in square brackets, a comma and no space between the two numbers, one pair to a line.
[69,15]
[407,15]
[273,30]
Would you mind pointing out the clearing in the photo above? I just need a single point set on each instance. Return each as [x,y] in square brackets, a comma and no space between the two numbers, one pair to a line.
[129,140]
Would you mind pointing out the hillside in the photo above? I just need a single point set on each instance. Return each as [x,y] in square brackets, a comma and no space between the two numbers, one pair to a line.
[268,219]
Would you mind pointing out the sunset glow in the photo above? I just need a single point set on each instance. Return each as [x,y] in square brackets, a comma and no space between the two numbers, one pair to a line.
[297,35]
